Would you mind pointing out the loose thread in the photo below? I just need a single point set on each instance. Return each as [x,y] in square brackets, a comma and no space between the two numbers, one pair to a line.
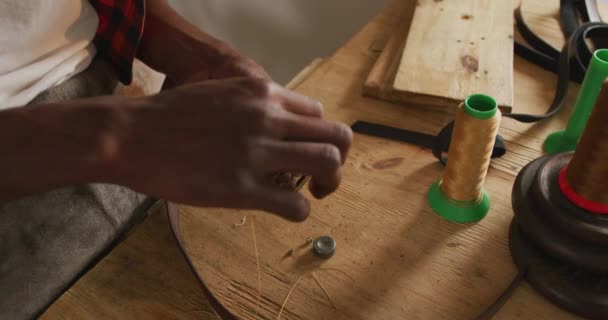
[257,261]
[338,270]
[314,275]
[295,284]
[259,272]
[288,295]
[240,224]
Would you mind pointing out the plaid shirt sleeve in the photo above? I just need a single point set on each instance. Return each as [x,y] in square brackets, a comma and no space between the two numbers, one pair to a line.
[121,24]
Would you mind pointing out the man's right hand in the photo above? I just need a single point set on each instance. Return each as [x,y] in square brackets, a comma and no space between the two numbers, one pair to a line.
[218,143]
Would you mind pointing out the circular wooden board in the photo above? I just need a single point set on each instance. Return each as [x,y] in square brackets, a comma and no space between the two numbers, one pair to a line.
[397,258]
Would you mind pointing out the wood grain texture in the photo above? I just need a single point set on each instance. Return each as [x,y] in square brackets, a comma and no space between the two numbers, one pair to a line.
[456,48]
[407,263]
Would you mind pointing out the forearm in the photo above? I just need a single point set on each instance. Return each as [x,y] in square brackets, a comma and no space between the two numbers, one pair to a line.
[172,45]
[56,145]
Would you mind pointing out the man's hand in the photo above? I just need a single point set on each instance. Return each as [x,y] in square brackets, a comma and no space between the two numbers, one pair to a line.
[214,143]
[217,143]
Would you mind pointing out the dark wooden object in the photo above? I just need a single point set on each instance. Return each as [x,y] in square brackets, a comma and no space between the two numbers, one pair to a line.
[562,249]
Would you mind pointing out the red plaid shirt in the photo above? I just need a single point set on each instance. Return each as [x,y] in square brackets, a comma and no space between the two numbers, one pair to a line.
[121,24]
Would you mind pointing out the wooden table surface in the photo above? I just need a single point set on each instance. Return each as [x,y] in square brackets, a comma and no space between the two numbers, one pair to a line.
[146,277]
[397,258]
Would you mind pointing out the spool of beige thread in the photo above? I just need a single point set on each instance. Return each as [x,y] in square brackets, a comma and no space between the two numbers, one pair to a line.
[587,173]
[459,196]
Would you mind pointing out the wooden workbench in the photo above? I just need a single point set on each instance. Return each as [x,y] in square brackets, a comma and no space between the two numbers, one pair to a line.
[399,260]
[416,267]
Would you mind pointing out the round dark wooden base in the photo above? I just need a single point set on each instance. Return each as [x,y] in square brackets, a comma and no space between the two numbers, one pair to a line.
[579,223]
[552,223]
[568,286]
[562,248]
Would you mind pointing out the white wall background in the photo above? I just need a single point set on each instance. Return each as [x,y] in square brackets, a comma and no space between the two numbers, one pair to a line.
[282,35]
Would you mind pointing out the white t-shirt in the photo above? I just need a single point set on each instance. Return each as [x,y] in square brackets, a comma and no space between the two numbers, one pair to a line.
[42,43]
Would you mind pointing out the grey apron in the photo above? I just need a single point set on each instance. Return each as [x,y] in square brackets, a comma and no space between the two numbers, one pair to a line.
[49,240]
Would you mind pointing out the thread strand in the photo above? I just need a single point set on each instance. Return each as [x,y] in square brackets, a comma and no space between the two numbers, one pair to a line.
[314,276]
[257,262]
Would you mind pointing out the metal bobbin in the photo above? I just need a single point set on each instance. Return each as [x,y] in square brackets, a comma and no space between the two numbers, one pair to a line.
[324,247]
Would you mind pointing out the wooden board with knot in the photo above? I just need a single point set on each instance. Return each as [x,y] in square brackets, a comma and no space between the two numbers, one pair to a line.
[442,51]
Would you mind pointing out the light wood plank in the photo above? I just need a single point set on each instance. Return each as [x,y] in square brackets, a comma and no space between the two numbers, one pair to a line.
[456,48]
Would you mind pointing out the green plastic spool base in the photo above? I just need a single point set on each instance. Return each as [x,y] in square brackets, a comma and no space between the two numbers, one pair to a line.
[455,211]
[566,140]
[558,142]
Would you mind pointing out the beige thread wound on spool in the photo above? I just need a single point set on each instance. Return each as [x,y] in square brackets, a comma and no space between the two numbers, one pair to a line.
[469,156]
[587,172]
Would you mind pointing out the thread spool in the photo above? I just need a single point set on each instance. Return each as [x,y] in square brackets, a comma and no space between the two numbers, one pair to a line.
[459,196]
[559,235]
[585,181]
[566,140]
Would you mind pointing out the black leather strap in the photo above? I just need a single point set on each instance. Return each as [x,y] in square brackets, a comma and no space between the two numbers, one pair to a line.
[537,43]
[569,16]
[395,134]
[440,143]
[572,61]
[542,53]
[503,298]
[538,58]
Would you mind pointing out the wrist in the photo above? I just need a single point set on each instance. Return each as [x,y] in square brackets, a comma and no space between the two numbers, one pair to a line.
[56,145]
[111,122]
[97,126]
